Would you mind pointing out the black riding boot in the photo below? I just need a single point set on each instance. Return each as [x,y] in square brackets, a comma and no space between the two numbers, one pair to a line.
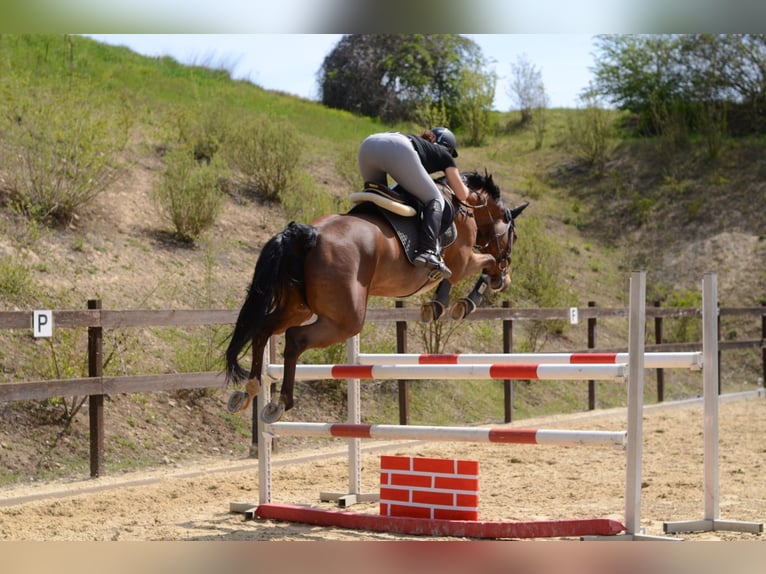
[428,254]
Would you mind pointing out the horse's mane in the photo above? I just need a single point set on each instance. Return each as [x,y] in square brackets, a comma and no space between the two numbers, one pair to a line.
[474,180]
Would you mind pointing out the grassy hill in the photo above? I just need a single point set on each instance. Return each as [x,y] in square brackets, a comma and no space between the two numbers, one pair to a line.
[676,215]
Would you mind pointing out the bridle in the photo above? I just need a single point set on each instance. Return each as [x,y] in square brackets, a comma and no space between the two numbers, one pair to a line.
[503,257]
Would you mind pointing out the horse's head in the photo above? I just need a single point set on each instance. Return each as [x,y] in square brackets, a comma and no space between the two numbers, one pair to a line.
[496,230]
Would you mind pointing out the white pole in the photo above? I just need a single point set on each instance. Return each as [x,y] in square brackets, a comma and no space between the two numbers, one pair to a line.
[637,328]
[354,417]
[264,439]
[710,391]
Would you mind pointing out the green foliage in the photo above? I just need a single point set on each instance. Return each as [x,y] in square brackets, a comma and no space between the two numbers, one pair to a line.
[16,282]
[347,167]
[189,193]
[653,75]
[60,147]
[683,329]
[477,89]
[592,133]
[264,154]
[203,128]
[393,76]
[304,201]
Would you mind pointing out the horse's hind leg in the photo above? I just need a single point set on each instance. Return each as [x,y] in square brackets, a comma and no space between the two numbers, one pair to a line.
[319,334]
[240,400]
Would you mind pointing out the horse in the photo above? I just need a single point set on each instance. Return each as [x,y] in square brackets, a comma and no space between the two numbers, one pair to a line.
[327,270]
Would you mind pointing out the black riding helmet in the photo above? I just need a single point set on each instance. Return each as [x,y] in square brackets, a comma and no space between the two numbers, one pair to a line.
[446,138]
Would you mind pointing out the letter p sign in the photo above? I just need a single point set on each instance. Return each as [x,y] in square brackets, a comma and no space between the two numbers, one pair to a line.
[42,323]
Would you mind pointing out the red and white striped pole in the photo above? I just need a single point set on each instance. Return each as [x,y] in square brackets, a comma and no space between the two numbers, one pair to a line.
[616,372]
[679,360]
[450,434]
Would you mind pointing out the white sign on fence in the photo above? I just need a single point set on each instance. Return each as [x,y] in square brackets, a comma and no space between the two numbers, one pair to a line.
[573,316]
[42,323]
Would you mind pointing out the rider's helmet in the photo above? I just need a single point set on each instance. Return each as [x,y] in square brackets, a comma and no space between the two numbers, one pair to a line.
[446,138]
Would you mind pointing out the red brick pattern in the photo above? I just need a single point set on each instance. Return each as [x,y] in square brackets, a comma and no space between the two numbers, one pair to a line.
[431,488]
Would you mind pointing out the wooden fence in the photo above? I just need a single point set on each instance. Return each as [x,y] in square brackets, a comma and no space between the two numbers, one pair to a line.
[97,385]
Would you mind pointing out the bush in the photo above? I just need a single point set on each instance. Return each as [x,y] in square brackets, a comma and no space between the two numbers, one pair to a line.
[592,134]
[60,147]
[189,194]
[16,282]
[264,154]
[303,201]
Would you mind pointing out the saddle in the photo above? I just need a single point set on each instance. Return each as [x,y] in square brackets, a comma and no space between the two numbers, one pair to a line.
[402,211]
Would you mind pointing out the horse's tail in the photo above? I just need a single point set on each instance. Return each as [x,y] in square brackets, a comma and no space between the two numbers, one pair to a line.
[279,266]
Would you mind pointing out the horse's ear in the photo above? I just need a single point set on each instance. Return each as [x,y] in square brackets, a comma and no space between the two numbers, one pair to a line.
[516,211]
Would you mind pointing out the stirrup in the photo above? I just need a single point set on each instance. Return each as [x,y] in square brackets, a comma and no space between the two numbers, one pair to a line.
[434,262]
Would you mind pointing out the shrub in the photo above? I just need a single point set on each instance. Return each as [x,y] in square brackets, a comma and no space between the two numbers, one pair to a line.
[16,282]
[189,194]
[60,147]
[303,201]
[592,133]
[264,155]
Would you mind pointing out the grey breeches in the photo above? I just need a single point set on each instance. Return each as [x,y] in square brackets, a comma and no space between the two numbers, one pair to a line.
[392,154]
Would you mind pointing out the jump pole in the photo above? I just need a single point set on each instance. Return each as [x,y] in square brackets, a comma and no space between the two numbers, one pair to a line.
[711,521]
[527,371]
[680,360]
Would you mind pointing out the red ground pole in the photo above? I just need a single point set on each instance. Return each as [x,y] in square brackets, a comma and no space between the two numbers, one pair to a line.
[452,528]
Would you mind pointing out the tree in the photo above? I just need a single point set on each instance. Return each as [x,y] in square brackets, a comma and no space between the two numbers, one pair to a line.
[478,93]
[527,89]
[637,71]
[393,76]
[691,78]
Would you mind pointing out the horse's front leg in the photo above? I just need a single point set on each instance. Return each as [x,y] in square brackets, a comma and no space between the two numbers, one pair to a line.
[435,308]
[467,305]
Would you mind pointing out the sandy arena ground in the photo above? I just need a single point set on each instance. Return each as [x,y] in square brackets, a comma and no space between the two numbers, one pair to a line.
[517,483]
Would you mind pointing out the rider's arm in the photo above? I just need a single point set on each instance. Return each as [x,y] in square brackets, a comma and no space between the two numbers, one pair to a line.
[456,183]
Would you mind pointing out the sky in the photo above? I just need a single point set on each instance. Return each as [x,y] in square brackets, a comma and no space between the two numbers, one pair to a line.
[290,62]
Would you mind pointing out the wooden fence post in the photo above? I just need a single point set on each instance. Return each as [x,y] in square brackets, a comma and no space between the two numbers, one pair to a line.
[508,348]
[404,386]
[660,372]
[96,402]
[591,345]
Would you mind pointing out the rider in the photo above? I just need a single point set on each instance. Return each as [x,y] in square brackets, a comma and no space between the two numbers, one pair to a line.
[410,159]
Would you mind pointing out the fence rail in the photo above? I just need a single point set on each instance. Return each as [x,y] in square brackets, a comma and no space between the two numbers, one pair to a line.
[95,320]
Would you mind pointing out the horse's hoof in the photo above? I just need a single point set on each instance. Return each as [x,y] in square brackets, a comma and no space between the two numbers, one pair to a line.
[238,401]
[431,311]
[271,413]
[462,308]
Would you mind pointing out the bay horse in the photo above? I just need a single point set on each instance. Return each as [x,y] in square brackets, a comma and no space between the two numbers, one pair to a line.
[327,271]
